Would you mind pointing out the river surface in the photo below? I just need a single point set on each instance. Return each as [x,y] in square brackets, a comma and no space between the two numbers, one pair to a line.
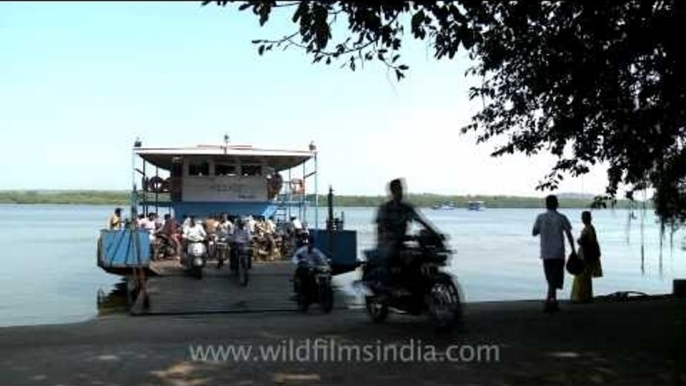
[49,272]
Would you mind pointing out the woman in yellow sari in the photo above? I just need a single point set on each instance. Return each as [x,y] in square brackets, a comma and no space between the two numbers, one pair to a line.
[589,252]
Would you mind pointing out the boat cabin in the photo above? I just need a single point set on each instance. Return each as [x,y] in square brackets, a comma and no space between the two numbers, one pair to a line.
[236,179]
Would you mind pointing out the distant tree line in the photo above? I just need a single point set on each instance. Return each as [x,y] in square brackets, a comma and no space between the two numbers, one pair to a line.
[429,200]
[122,198]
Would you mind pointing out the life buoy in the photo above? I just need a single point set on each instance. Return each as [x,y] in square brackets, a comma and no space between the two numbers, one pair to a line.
[156,184]
[297,186]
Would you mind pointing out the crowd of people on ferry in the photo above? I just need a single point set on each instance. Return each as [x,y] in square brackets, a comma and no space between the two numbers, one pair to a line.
[271,240]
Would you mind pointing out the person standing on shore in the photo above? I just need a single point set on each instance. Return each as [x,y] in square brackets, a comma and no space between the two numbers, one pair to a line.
[552,226]
[589,252]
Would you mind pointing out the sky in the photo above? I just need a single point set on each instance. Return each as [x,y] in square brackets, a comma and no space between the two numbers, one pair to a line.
[79,82]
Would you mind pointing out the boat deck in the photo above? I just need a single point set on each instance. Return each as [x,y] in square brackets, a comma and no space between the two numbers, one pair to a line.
[269,289]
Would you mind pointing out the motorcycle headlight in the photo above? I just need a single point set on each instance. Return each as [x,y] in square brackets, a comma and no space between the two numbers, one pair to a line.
[197,262]
[197,249]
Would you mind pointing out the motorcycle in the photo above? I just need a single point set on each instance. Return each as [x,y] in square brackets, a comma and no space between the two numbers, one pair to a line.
[291,240]
[423,287]
[195,257]
[313,285]
[163,248]
[212,239]
[241,261]
[264,248]
[223,250]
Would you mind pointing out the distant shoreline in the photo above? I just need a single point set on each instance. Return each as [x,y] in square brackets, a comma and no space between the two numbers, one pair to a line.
[425,200]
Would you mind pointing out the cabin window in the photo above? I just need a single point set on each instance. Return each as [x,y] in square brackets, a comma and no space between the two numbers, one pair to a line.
[224,170]
[251,170]
[199,168]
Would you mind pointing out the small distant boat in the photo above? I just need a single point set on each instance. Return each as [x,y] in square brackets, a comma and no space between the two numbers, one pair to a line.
[476,205]
[444,206]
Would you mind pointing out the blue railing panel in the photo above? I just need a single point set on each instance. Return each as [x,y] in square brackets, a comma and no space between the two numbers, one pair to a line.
[343,243]
[116,249]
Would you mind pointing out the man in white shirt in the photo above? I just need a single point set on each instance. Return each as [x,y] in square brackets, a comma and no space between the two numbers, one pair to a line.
[195,231]
[296,224]
[250,224]
[226,227]
[150,225]
[185,223]
[270,227]
[552,226]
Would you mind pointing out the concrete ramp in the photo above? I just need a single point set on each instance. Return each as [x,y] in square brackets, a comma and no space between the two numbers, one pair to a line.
[269,290]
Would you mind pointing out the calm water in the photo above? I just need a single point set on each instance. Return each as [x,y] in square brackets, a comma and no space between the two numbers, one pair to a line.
[49,272]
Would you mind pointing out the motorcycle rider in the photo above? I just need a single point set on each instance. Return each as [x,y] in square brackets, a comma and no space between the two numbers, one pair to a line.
[309,256]
[170,230]
[240,239]
[306,257]
[392,220]
[195,232]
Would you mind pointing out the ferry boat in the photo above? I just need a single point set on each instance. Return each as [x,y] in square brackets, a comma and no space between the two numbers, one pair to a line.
[476,205]
[236,179]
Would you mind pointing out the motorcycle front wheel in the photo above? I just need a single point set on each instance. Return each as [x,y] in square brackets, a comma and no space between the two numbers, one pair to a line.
[376,309]
[243,266]
[443,301]
[303,300]
[326,297]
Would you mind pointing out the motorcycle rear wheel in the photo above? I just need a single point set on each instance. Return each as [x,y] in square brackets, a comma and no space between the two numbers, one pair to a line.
[326,298]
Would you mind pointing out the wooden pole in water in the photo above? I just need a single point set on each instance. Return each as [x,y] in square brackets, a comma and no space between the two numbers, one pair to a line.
[330,223]
[316,191]
[303,197]
[157,194]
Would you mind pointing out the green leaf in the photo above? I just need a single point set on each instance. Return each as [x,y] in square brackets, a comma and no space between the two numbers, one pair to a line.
[417,20]
[301,11]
